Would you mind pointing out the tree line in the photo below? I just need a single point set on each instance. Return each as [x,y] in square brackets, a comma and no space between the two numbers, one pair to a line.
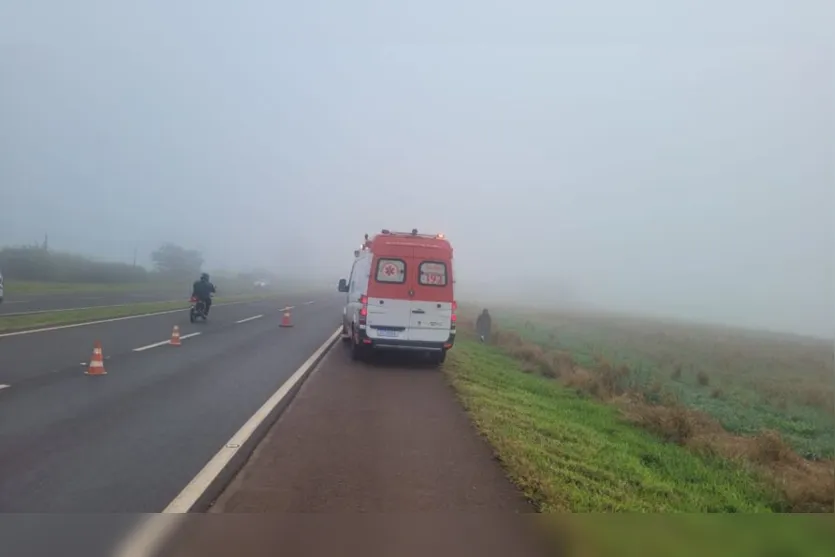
[39,263]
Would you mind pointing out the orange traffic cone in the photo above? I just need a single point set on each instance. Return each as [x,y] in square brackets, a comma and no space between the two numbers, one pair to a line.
[285,320]
[96,366]
[175,337]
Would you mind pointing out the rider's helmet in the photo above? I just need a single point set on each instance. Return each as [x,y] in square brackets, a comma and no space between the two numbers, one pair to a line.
[204,277]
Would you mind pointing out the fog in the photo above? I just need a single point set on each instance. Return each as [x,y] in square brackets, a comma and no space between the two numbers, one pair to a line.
[674,160]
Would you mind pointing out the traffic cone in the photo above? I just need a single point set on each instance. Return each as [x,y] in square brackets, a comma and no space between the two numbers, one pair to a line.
[175,337]
[285,320]
[96,366]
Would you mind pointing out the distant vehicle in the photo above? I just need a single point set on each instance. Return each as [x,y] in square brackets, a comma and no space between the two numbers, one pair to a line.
[400,296]
[1,288]
[260,284]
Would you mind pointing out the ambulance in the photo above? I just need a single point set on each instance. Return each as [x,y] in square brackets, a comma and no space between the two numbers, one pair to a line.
[400,296]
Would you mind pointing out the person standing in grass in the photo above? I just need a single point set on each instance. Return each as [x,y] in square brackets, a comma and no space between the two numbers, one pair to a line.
[483,325]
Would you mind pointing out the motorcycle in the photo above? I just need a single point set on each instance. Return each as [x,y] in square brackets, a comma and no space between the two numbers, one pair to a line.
[198,310]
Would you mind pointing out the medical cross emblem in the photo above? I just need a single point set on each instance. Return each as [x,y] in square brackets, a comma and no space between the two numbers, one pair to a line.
[389,270]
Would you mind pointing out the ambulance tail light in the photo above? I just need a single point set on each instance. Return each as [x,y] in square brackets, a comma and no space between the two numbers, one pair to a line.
[363,309]
[454,315]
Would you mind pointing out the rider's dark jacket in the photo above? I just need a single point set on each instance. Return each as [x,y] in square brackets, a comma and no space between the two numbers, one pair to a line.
[202,289]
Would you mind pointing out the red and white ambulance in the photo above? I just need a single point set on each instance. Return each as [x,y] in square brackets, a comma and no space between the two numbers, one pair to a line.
[399,295]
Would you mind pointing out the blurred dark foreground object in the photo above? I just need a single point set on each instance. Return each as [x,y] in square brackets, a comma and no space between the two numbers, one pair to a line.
[465,534]
[451,534]
[691,535]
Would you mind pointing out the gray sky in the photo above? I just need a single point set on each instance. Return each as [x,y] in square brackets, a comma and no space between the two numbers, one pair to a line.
[670,159]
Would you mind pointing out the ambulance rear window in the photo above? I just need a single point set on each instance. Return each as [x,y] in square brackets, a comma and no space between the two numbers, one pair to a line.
[433,273]
[391,271]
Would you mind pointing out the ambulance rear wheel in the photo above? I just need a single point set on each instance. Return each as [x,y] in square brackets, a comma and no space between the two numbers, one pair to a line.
[437,358]
[358,351]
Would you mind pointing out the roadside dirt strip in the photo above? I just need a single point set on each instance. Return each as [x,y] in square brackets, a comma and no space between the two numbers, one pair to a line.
[388,461]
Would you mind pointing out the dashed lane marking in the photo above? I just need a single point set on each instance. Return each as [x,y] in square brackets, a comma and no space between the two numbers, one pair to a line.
[250,318]
[164,342]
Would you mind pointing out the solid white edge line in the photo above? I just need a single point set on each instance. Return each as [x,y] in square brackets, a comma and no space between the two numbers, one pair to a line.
[164,342]
[112,320]
[250,318]
[147,539]
[192,492]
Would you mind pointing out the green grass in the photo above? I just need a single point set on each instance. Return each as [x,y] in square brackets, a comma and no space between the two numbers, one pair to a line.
[756,381]
[20,288]
[34,288]
[53,318]
[567,453]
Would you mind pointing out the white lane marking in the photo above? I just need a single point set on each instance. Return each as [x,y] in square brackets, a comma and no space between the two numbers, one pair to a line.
[250,318]
[112,320]
[288,308]
[164,342]
[147,538]
[310,302]
[4,387]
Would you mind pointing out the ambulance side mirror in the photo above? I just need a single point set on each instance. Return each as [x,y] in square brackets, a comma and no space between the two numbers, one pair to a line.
[343,285]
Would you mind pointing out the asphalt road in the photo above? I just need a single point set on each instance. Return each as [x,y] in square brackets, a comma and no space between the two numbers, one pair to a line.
[129,441]
[19,304]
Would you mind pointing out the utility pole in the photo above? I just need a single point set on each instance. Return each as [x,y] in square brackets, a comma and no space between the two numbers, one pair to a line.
[46,241]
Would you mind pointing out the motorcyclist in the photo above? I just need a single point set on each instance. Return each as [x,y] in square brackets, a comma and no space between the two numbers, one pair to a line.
[203,290]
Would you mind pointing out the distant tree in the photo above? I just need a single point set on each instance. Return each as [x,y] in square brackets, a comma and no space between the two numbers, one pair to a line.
[176,261]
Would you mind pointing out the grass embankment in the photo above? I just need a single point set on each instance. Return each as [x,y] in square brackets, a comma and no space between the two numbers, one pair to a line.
[34,288]
[567,453]
[749,381]
[54,318]
[520,388]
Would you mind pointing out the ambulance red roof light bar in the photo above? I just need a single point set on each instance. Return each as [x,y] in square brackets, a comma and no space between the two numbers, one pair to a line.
[414,232]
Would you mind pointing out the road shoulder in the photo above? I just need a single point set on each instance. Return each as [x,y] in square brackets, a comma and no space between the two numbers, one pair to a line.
[386,439]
